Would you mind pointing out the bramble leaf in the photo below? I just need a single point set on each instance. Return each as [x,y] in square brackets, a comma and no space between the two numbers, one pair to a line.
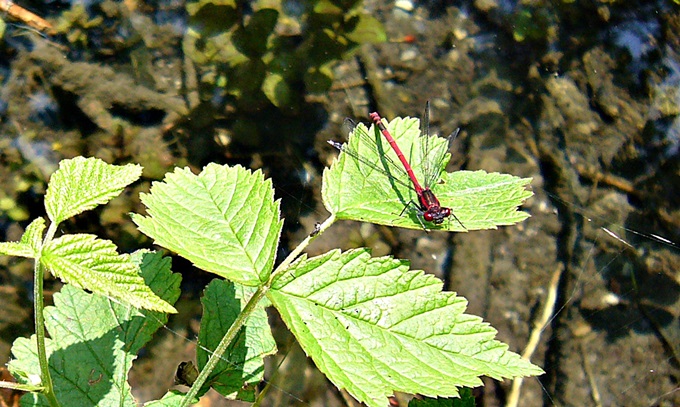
[94,340]
[81,184]
[33,235]
[224,220]
[172,398]
[374,327]
[466,400]
[94,264]
[30,242]
[360,189]
[15,249]
[242,366]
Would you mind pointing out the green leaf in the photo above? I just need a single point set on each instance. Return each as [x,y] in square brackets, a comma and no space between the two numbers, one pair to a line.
[94,264]
[210,18]
[94,340]
[242,366]
[172,398]
[361,190]
[30,242]
[318,79]
[19,249]
[466,400]
[367,30]
[33,235]
[224,220]
[194,7]
[374,327]
[276,89]
[252,39]
[327,7]
[81,184]
[16,249]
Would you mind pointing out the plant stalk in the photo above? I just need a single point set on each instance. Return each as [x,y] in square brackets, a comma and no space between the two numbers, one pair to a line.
[240,321]
[283,267]
[38,308]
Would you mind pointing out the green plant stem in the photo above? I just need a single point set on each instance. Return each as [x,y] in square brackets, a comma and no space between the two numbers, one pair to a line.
[260,397]
[20,386]
[38,308]
[224,343]
[240,321]
[283,267]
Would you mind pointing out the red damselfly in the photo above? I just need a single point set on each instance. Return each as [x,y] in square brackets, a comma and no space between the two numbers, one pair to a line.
[428,206]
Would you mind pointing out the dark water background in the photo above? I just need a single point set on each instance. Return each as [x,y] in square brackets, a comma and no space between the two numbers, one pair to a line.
[583,97]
